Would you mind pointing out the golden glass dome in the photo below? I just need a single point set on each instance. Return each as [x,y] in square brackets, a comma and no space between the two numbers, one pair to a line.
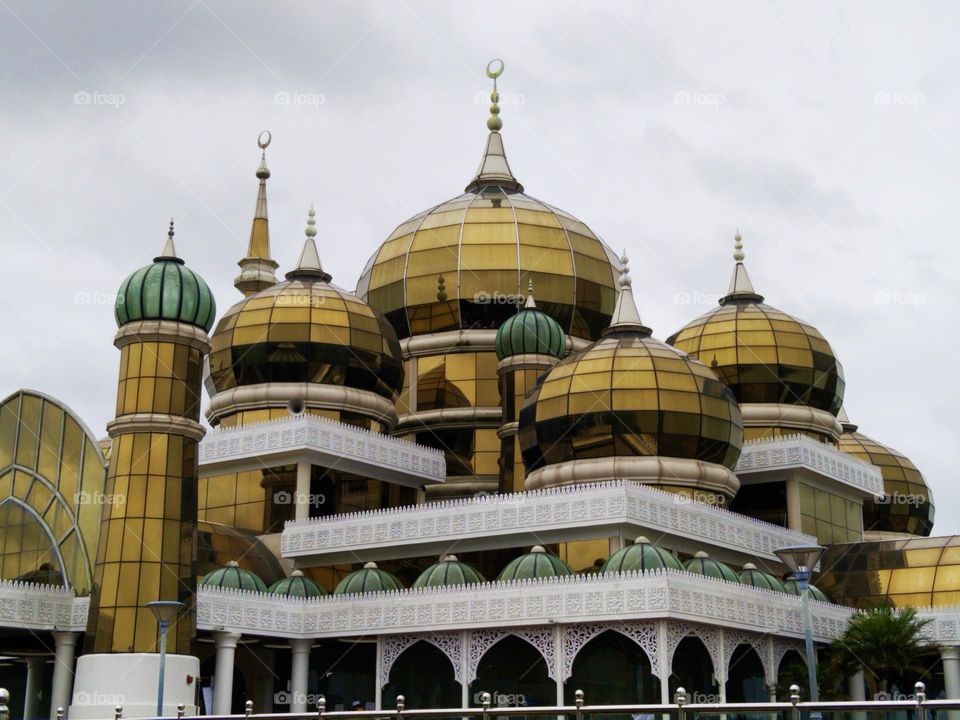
[764,354]
[630,395]
[907,505]
[306,330]
[466,263]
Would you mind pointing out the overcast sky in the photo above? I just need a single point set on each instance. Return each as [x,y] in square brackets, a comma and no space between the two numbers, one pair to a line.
[826,132]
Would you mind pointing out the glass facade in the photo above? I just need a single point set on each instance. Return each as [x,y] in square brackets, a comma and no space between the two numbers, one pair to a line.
[466,264]
[630,395]
[52,478]
[831,518]
[765,355]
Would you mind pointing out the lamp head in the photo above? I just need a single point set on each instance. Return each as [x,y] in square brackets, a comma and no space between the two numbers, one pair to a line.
[165,610]
[801,559]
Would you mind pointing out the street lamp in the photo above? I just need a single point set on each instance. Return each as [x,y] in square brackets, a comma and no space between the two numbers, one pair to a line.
[164,611]
[801,559]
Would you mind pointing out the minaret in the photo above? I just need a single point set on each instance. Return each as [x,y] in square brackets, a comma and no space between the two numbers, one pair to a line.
[626,317]
[527,344]
[257,269]
[164,312]
[494,168]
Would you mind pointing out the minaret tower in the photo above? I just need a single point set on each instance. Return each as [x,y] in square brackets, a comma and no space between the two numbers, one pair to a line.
[149,519]
[527,344]
[257,268]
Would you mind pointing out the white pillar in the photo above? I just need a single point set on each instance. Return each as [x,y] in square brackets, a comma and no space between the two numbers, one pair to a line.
[299,674]
[223,673]
[464,668]
[378,680]
[66,645]
[857,692]
[558,661]
[666,662]
[951,676]
[34,679]
[301,500]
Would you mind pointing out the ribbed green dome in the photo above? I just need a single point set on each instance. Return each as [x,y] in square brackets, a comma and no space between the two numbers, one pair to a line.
[367,579]
[234,577]
[702,564]
[449,571]
[166,290]
[530,331]
[536,563]
[791,585]
[297,585]
[750,575]
[641,556]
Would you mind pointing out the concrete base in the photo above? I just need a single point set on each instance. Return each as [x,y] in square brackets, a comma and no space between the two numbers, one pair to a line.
[104,681]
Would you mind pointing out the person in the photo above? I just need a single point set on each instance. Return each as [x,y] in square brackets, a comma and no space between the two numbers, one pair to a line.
[357,705]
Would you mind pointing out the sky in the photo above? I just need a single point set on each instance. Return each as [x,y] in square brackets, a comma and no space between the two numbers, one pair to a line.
[826,132]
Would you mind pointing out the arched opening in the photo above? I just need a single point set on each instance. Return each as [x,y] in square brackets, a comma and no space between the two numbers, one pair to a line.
[692,669]
[792,670]
[746,681]
[515,674]
[425,678]
[612,669]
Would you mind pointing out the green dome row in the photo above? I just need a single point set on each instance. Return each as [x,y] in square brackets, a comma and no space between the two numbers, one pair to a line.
[536,563]
[233,577]
[449,571]
[297,585]
[166,290]
[640,557]
[703,564]
[530,332]
[369,578]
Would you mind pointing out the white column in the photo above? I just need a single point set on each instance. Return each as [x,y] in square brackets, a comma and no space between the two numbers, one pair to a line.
[378,680]
[721,673]
[226,643]
[857,693]
[66,644]
[34,679]
[301,500]
[558,661]
[464,669]
[300,672]
[951,676]
[666,662]
[794,516]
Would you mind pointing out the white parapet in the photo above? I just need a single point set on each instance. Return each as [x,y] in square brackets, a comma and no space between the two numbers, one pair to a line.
[322,442]
[104,682]
[41,607]
[574,512]
[763,457]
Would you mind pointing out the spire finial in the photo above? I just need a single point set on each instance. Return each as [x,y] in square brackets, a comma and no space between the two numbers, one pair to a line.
[263,142]
[626,317]
[257,268]
[308,267]
[494,70]
[530,302]
[740,287]
[169,251]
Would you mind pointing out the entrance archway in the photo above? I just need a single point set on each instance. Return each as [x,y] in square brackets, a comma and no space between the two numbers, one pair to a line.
[746,681]
[425,678]
[692,669]
[612,669]
[515,674]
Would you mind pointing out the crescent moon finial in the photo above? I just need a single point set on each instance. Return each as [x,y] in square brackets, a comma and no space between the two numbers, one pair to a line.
[263,139]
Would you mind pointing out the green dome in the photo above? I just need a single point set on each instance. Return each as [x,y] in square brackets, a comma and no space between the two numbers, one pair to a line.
[702,564]
[166,290]
[369,578]
[233,577]
[791,586]
[449,571]
[297,585]
[750,575]
[641,556]
[530,331]
[536,563]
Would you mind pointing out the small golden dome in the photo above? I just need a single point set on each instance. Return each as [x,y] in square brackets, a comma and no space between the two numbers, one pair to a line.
[907,505]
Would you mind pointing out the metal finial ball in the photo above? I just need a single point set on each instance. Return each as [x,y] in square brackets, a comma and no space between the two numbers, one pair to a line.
[495,68]
[263,139]
[494,123]
[170,231]
[4,696]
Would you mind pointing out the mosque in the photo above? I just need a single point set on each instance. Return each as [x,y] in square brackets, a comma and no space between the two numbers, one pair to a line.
[479,471]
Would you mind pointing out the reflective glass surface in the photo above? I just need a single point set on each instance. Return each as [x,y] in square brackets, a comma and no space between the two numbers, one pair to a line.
[829,517]
[907,504]
[765,355]
[467,262]
[630,395]
[299,331]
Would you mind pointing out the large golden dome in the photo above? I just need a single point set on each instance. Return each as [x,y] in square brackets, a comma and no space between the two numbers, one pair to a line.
[466,263]
[764,354]
[907,505]
[306,330]
[629,395]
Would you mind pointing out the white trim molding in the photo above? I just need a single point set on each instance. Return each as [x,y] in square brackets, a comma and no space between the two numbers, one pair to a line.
[802,452]
[310,438]
[944,626]
[536,517]
[41,607]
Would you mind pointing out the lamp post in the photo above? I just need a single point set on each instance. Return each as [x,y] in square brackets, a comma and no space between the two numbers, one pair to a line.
[801,559]
[164,611]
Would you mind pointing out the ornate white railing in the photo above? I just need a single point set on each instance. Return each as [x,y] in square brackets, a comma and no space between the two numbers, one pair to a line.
[41,607]
[540,516]
[354,449]
[800,451]
[663,594]
[944,627]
